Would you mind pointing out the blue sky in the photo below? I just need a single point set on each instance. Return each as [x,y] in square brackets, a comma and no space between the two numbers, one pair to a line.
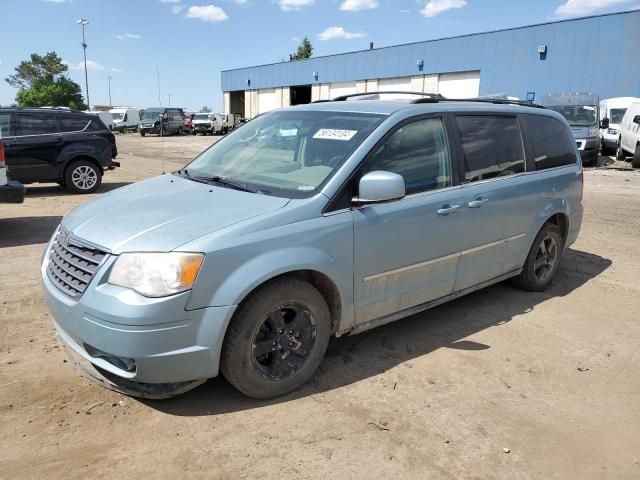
[191,41]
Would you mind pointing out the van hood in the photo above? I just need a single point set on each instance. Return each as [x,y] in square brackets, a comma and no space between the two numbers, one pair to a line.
[582,132]
[162,213]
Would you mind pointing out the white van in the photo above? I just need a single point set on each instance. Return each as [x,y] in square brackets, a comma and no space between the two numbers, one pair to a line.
[228,122]
[125,119]
[611,112]
[104,116]
[629,141]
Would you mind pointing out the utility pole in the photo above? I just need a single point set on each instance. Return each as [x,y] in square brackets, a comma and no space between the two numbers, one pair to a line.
[159,97]
[83,22]
[169,99]
[109,79]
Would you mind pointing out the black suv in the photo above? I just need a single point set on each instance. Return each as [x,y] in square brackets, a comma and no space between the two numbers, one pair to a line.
[172,121]
[57,145]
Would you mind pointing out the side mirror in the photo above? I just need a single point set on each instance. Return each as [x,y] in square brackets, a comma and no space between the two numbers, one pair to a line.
[604,123]
[636,119]
[125,118]
[379,186]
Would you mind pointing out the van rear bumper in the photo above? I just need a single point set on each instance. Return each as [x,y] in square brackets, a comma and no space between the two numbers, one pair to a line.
[12,192]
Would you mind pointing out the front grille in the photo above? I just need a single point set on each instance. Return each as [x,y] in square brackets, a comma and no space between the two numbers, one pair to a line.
[72,264]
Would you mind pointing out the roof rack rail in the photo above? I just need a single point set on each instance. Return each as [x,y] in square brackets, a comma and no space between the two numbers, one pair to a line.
[343,98]
[498,101]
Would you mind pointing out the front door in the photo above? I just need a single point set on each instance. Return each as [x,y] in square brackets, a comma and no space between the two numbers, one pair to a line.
[406,252]
[33,151]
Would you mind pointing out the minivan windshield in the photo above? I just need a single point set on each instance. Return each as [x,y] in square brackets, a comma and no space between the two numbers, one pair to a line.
[577,115]
[116,117]
[616,115]
[201,116]
[285,153]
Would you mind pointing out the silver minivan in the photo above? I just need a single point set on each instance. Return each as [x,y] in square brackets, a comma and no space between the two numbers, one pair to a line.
[308,223]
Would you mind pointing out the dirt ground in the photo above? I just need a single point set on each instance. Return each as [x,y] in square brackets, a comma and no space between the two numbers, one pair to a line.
[501,384]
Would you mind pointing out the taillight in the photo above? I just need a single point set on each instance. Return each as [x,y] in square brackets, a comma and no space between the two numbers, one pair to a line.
[1,154]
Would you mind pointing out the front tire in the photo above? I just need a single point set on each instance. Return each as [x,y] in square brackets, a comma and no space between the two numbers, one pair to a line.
[635,163]
[276,339]
[620,155]
[543,260]
[83,176]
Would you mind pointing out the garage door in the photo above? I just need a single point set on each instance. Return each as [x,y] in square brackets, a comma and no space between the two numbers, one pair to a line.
[400,84]
[459,84]
[266,100]
[342,88]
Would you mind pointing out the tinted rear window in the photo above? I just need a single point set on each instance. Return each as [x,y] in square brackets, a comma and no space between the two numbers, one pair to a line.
[553,145]
[492,146]
[36,123]
[73,124]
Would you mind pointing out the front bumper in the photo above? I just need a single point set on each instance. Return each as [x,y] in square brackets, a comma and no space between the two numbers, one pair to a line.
[132,341]
[12,192]
[610,140]
[588,148]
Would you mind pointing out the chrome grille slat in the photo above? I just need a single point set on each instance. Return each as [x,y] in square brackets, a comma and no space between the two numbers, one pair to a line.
[72,265]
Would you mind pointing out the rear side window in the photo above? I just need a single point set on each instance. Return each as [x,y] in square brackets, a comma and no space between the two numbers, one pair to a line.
[73,124]
[553,144]
[5,122]
[35,124]
[418,151]
[492,146]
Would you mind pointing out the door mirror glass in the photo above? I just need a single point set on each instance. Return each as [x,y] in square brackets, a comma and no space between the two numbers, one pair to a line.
[380,186]
[604,123]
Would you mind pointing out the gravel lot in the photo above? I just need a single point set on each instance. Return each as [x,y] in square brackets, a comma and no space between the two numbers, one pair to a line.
[499,384]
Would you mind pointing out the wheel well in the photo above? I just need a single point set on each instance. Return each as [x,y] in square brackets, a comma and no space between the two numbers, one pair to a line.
[325,286]
[76,159]
[560,220]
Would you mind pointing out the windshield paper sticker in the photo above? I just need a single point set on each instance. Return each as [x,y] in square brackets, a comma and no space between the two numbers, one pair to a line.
[334,134]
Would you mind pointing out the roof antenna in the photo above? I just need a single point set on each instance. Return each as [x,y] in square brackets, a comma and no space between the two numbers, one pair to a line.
[370,45]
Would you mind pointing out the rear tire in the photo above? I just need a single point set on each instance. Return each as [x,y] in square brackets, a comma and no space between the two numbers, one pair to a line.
[83,176]
[635,163]
[142,134]
[277,339]
[543,260]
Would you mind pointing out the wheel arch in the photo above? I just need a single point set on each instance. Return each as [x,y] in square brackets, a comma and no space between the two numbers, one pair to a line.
[78,158]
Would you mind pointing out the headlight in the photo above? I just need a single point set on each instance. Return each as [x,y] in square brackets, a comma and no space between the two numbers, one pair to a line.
[156,274]
[594,132]
[612,131]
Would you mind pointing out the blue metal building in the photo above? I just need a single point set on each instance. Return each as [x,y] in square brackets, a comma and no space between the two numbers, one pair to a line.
[600,54]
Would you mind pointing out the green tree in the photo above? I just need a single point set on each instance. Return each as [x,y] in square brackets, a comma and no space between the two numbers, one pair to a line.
[305,50]
[205,109]
[42,82]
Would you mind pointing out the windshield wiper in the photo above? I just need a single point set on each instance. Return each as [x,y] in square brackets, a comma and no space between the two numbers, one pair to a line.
[227,182]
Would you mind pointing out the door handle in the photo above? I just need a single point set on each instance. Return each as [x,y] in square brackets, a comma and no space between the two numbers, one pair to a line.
[448,209]
[478,202]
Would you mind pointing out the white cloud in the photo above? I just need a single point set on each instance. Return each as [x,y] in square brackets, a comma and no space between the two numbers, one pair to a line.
[91,65]
[404,10]
[207,13]
[578,8]
[169,1]
[117,70]
[176,9]
[339,32]
[58,1]
[436,7]
[288,5]
[134,36]
[241,2]
[357,5]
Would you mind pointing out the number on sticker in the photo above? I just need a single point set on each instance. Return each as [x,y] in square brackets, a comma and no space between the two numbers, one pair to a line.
[334,134]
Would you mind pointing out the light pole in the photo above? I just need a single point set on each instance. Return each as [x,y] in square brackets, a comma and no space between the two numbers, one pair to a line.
[169,99]
[109,79]
[83,22]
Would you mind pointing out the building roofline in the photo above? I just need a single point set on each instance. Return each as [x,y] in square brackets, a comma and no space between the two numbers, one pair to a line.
[438,39]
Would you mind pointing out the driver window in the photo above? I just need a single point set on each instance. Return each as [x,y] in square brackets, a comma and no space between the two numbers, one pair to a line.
[418,151]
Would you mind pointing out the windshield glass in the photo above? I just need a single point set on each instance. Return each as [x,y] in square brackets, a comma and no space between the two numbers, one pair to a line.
[151,114]
[616,115]
[577,115]
[201,116]
[117,116]
[287,153]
